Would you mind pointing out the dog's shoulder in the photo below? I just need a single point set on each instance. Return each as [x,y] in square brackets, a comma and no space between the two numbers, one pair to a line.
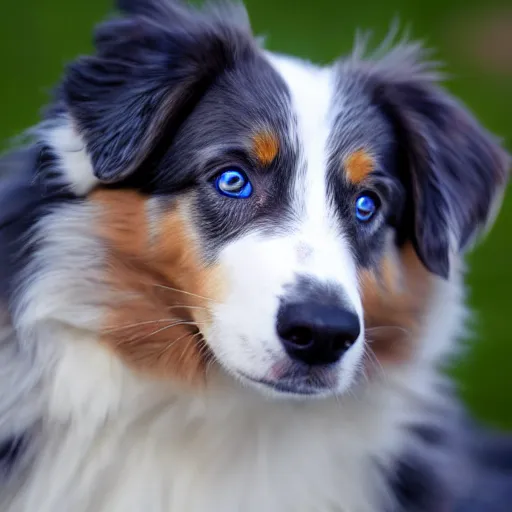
[490,488]
[453,466]
[18,197]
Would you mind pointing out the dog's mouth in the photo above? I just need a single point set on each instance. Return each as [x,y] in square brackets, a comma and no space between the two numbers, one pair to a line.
[316,382]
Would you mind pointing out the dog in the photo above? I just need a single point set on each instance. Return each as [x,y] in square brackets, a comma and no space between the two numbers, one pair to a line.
[230,280]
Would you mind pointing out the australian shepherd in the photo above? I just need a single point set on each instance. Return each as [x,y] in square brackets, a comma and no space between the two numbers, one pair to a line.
[230,279]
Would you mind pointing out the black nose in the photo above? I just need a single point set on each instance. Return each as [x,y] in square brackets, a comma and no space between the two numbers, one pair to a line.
[316,334]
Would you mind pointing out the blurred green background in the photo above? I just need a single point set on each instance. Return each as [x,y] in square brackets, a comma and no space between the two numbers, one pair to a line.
[473,37]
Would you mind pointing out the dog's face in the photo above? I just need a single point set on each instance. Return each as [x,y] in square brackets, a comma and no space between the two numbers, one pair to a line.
[261,213]
[276,212]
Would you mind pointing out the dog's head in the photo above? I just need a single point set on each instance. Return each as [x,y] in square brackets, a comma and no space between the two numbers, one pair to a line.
[256,211]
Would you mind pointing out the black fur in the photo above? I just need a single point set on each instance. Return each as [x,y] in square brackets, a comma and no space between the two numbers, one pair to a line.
[145,79]
[453,466]
[490,485]
[416,487]
[11,450]
[30,184]
[453,169]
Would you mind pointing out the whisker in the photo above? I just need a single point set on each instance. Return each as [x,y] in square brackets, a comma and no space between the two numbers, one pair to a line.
[180,306]
[173,342]
[171,289]
[190,341]
[210,361]
[158,331]
[372,358]
[148,322]
[204,349]
[382,327]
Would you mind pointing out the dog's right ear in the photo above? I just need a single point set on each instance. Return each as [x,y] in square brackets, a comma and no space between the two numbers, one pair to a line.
[150,69]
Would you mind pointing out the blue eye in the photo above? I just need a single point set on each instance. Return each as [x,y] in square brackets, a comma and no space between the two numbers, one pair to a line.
[366,208]
[233,183]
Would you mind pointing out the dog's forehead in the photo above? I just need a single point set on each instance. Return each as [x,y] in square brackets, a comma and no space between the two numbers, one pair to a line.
[244,102]
[280,103]
[331,109]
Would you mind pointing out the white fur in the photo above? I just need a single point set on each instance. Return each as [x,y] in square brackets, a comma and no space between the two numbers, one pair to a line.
[312,91]
[114,441]
[75,164]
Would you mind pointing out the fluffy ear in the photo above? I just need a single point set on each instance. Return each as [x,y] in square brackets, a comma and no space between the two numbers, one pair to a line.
[455,171]
[150,69]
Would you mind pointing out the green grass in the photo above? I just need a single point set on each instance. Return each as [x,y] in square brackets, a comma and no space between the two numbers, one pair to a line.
[38,38]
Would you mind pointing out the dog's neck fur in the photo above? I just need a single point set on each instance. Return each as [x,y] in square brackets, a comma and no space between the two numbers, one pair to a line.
[115,441]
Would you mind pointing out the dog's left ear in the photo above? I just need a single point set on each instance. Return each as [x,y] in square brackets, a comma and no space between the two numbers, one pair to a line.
[151,68]
[455,171]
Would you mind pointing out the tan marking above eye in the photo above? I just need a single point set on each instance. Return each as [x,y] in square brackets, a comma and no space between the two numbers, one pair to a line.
[358,165]
[265,146]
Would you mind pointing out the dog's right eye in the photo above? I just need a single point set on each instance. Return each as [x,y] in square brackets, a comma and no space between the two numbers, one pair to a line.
[366,207]
[234,183]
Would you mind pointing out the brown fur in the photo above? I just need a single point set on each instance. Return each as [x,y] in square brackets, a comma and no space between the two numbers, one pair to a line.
[358,166]
[395,299]
[162,289]
[265,146]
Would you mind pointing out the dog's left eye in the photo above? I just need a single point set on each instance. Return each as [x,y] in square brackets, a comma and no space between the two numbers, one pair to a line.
[233,183]
[366,207]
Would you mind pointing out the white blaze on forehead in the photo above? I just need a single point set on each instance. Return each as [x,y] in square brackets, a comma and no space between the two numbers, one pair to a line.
[312,90]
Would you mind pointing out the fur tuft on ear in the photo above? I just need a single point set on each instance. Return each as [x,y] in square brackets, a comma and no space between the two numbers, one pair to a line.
[154,9]
[150,69]
[454,169]
[176,12]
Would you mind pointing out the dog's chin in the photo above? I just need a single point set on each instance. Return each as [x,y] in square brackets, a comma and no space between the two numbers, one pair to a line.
[300,387]
[286,388]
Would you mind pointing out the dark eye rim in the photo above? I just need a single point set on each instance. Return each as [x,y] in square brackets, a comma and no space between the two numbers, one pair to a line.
[213,172]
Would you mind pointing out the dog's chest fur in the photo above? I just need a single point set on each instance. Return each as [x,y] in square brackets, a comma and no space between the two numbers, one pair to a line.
[210,465]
